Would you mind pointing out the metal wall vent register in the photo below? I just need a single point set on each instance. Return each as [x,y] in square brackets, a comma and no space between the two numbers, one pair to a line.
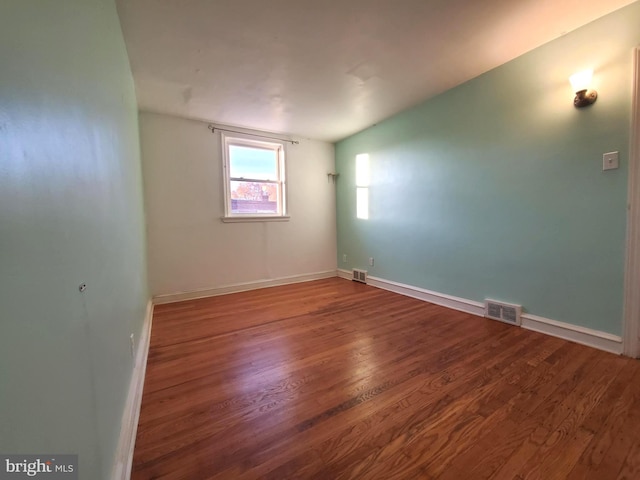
[504,312]
[359,275]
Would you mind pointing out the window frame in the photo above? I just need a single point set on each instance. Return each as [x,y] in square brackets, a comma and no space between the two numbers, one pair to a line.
[251,141]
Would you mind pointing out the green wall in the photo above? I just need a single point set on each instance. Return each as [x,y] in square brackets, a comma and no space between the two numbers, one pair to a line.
[70,213]
[495,189]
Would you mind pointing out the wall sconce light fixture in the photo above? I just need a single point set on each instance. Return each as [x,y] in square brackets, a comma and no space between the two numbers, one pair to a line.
[580,82]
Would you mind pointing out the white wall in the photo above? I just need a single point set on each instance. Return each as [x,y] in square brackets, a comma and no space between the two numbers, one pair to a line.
[191,249]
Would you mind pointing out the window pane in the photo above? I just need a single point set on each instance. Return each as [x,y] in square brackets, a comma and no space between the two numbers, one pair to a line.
[254,163]
[254,197]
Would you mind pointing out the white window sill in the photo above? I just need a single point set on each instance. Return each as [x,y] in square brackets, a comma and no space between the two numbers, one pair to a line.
[256,218]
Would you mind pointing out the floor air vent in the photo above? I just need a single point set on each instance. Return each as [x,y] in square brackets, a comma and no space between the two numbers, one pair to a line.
[505,312]
[359,275]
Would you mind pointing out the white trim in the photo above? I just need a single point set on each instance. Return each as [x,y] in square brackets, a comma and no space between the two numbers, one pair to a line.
[573,333]
[632,265]
[240,287]
[129,427]
[449,301]
[254,218]
[279,147]
[346,274]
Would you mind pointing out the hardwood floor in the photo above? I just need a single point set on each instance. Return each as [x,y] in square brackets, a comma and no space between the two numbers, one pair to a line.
[333,380]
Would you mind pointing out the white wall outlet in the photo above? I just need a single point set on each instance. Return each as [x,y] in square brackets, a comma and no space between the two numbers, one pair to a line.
[610,161]
[132,344]
[371,261]
[344,258]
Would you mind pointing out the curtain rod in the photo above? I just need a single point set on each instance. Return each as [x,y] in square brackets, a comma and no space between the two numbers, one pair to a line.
[213,129]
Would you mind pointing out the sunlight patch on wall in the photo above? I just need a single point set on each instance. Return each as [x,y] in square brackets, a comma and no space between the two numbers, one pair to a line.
[362,203]
[362,186]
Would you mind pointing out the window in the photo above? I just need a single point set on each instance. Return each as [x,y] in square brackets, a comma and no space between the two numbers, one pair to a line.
[254,178]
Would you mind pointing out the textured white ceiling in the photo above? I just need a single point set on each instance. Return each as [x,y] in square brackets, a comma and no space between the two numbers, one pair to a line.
[326,69]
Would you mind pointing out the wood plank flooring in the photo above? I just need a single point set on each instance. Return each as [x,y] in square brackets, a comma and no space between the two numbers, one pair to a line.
[337,380]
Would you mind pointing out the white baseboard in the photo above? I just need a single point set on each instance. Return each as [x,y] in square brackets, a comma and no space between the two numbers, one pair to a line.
[567,331]
[574,333]
[126,442]
[346,274]
[241,287]
[449,301]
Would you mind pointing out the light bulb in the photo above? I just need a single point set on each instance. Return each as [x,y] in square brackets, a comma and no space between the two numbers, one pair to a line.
[581,80]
